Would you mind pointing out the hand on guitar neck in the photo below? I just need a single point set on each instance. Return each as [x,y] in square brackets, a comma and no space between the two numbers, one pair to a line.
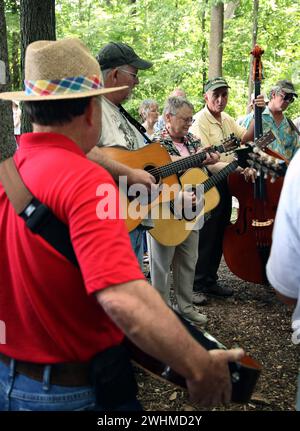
[140,176]
[212,156]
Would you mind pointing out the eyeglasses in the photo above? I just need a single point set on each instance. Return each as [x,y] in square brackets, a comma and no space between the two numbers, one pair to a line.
[135,75]
[186,120]
[287,97]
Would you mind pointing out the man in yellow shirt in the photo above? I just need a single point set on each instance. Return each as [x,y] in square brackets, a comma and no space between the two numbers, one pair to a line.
[212,125]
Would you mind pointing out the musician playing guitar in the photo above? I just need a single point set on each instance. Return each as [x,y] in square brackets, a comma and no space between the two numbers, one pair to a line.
[175,137]
[120,65]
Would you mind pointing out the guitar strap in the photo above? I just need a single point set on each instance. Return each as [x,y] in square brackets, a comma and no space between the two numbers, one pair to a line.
[37,216]
[293,126]
[140,128]
[110,371]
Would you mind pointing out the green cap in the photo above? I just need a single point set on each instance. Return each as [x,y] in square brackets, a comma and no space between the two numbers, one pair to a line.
[116,54]
[287,87]
[215,83]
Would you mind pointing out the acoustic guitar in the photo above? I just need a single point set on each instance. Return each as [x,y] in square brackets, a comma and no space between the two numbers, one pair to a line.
[136,201]
[171,229]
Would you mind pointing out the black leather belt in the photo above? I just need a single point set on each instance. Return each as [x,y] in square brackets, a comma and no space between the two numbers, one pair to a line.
[63,374]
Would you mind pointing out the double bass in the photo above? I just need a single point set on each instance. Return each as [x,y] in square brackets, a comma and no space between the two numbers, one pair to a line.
[247,242]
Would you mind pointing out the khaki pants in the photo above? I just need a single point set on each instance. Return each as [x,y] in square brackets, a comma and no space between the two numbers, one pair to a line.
[183,258]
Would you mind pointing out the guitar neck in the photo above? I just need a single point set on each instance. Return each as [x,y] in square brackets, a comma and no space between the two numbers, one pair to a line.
[220,176]
[187,162]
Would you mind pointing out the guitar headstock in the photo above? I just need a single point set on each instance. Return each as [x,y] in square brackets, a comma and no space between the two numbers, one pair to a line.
[267,165]
[265,140]
[229,144]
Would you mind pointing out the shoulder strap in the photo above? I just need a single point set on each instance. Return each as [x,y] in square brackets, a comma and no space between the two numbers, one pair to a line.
[37,216]
[293,126]
[140,128]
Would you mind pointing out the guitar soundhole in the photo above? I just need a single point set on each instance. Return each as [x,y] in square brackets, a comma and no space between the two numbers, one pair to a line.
[153,171]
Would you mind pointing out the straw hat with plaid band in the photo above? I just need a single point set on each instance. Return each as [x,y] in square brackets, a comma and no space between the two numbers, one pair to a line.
[62,69]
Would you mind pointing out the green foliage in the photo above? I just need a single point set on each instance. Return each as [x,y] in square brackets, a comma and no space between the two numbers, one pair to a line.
[278,35]
[12,13]
[169,33]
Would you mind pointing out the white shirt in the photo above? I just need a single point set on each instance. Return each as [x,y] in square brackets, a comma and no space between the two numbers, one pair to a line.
[116,129]
[283,268]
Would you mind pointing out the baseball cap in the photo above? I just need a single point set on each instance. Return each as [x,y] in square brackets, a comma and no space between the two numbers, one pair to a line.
[215,83]
[287,87]
[116,54]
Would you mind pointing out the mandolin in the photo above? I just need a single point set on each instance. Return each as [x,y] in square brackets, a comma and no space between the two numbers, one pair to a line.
[137,202]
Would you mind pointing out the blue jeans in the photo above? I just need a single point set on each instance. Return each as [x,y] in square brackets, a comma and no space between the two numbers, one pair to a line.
[137,243]
[18,392]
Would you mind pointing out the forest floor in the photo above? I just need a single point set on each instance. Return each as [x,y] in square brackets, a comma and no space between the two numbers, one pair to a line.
[255,320]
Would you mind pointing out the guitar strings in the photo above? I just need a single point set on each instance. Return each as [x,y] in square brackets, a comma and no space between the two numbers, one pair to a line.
[193,161]
[183,164]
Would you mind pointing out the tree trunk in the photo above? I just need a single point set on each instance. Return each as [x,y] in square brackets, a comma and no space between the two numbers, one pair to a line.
[15,61]
[230,9]
[216,40]
[254,41]
[7,141]
[37,22]
[204,45]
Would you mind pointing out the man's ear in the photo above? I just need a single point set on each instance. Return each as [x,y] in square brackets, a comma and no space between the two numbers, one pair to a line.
[114,76]
[205,97]
[90,111]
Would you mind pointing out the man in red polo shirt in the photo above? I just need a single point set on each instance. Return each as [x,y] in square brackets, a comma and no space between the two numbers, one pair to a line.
[59,317]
